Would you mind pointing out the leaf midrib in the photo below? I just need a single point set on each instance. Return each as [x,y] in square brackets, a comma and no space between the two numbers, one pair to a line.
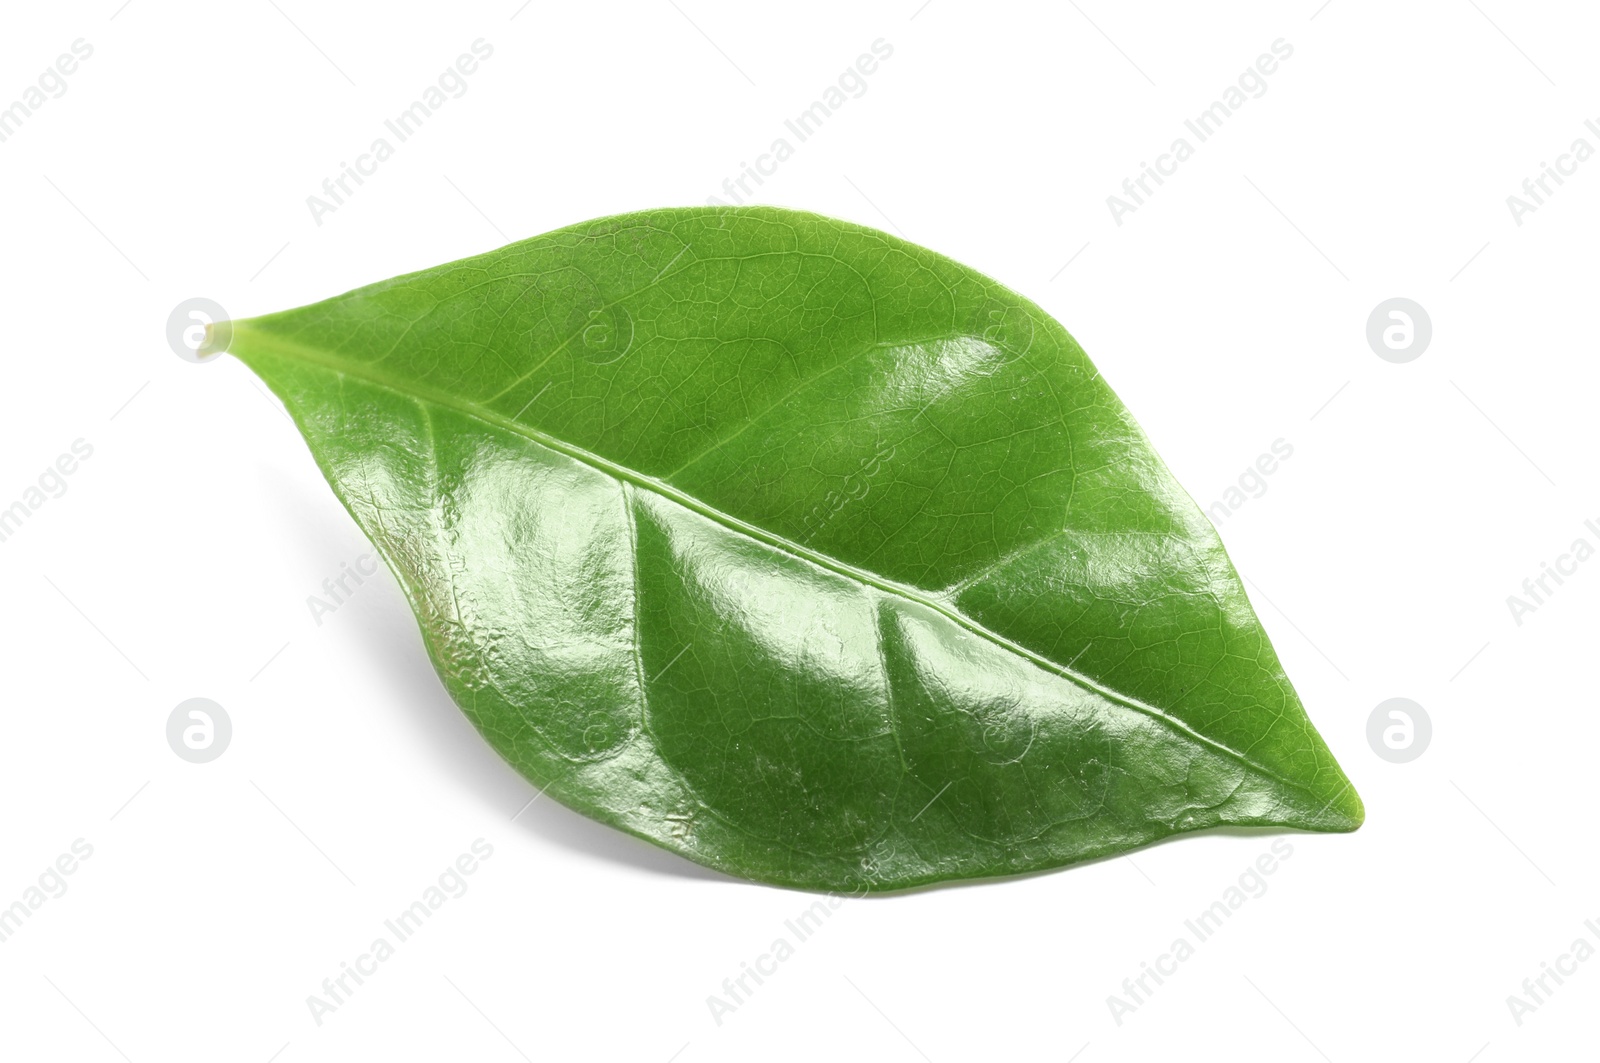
[273,344]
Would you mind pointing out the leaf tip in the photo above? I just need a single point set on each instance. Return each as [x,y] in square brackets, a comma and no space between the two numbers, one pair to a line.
[1345,812]
[218,338]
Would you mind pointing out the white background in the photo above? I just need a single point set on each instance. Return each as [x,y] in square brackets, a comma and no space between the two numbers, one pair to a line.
[1229,311]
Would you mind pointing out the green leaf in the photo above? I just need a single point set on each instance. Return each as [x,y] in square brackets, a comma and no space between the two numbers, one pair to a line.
[799,550]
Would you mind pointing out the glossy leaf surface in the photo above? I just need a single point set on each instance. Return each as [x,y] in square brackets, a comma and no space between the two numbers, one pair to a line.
[799,550]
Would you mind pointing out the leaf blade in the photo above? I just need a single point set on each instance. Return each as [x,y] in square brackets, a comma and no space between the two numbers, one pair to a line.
[902,403]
